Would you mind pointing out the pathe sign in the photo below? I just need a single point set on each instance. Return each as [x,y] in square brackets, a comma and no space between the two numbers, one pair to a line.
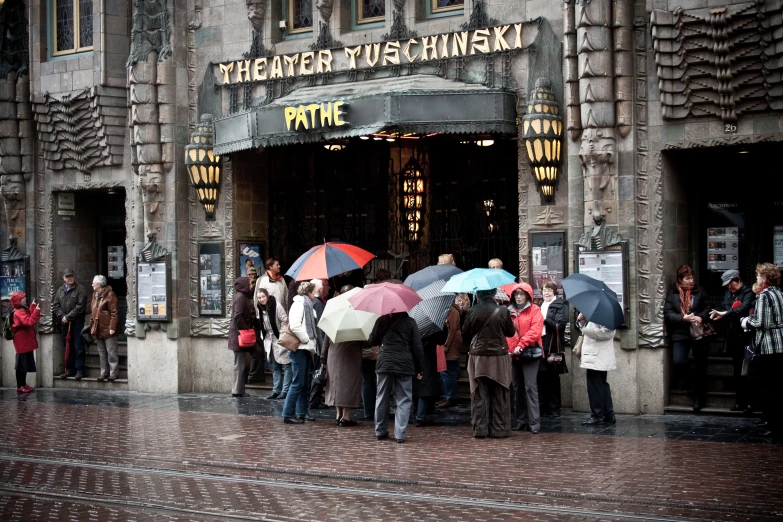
[398,52]
[315,115]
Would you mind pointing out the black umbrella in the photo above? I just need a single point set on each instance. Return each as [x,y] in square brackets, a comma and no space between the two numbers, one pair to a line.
[597,302]
[427,276]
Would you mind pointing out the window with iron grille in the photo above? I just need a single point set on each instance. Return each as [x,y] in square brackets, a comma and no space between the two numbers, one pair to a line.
[300,16]
[71,26]
[440,6]
[370,11]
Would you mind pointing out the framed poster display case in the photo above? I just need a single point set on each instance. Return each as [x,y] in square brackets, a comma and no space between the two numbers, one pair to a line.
[610,266]
[250,252]
[14,277]
[548,254]
[211,270]
[153,289]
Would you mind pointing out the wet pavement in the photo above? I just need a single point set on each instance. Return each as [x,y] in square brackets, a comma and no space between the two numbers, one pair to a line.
[94,455]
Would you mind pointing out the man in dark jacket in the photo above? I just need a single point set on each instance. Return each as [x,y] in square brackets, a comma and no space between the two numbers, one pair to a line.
[68,309]
[487,325]
[401,357]
[737,302]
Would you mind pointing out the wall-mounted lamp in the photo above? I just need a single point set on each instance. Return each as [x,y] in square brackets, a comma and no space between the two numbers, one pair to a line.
[543,134]
[203,166]
[412,199]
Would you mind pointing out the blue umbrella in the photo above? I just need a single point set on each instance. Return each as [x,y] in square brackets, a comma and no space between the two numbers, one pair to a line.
[427,276]
[478,279]
[597,302]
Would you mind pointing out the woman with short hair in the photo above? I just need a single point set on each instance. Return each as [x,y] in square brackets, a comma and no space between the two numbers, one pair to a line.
[104,321]
[302,321]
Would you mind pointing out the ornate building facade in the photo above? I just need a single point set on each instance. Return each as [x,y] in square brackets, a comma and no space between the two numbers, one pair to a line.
[409,127]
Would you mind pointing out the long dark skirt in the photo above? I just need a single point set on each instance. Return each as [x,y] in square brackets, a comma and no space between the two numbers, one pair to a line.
[25,362]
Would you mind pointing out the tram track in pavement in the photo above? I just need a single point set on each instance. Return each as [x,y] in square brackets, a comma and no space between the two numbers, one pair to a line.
[505,499]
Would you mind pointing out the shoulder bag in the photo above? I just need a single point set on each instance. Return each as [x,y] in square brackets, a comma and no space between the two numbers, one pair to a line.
[288,338]
[475,337]
[245,338]
[557,359]
[577,349]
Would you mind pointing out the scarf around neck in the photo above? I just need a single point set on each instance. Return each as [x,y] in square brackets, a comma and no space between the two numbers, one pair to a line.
[274,278]
[685,299]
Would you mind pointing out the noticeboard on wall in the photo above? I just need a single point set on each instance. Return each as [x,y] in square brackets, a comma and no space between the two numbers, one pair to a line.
[547,260]
[14,277]
[153,282]
[722,248]
[610,266]
[211,299]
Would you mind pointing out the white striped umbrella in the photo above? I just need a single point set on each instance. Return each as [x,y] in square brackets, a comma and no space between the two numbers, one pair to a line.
[430,314]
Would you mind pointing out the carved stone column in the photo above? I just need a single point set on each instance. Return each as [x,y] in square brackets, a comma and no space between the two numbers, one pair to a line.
[12,190]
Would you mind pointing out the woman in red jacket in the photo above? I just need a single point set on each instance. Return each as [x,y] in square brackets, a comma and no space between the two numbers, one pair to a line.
[25,341]
[525,349]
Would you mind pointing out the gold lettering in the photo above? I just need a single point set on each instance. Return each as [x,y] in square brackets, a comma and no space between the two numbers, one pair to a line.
[480,41]
[425,41]
[326,114]
[407,50]
[243,69]
[301,117]
[337,113]
[391,53]
[518,37]
[368,52]
[312,108]
[226,68]
[500,42]
[259,69]
[290,114]
[352,54]
[444,50]
[325,61]
[291,61]
[277,68]
[459,44]
[306,63]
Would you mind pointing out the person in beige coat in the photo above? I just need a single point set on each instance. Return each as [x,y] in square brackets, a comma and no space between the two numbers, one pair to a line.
[598,359]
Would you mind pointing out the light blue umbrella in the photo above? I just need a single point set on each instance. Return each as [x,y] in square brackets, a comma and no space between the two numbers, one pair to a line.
[478,279]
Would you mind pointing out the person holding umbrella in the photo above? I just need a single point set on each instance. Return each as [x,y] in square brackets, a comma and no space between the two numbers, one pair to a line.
[68,307]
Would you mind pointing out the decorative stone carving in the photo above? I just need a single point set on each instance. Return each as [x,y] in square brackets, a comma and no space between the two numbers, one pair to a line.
[153,251]
[11,253]
[478,17]
[325,39]
[12,190]
[723,62]
[256,9]
[82,131]
[150,31]
[599,237]
[325,8]
[549,216]
[151,183]
[597,157]
[399,29]
[193,25]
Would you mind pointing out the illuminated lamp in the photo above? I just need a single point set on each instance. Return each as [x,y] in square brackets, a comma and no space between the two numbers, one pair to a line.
[203,165]
[412,199]
[542,130]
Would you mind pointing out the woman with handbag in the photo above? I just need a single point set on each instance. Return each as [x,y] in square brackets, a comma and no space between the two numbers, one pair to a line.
[555,312]
[272,321]
[686,313]
[302,323]
[241,332]
[598,359]
[525,349]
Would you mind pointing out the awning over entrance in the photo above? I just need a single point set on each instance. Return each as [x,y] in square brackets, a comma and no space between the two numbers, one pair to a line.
[418,104]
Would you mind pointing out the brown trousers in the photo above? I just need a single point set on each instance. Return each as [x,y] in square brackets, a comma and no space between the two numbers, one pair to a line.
[490,410]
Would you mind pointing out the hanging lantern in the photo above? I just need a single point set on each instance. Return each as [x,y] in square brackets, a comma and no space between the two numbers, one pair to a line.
[203,166]
[412,199]
[542,130]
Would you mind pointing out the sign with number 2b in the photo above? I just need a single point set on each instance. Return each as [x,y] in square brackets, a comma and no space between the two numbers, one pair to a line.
[729,128]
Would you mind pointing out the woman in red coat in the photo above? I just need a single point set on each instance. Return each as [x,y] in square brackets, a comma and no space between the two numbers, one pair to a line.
[528,323]
[25,341]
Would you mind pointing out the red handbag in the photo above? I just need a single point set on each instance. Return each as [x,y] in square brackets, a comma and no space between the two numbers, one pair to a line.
[245,338]
[441,354]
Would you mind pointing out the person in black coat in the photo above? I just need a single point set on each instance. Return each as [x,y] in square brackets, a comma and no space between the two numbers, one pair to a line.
[737,303]
[686,304]
[429,387]
[401,357]
[555,312]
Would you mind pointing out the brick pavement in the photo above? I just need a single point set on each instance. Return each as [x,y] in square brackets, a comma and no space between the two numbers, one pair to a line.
[253,466]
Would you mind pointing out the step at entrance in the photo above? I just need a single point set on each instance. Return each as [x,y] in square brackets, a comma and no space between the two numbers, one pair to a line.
[93,371]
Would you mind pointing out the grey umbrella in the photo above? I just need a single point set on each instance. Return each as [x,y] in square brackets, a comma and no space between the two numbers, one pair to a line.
[430,314]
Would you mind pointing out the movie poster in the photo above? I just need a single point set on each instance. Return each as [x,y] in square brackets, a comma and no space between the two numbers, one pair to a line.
[210,265]
[12,279]
[250,256]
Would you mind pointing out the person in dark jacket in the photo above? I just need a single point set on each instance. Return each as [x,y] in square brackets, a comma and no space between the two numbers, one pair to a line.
[104,322]
[555,311]
[737,303]
[68,307]
[487,325]
[428,389]
[685,305]
[243,317]
[452,348]
[401,357]
[25,342]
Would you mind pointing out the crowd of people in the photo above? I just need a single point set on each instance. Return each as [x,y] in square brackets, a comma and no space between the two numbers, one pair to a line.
[69,308]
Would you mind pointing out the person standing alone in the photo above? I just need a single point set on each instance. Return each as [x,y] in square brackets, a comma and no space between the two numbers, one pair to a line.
[68,308]
[25,342]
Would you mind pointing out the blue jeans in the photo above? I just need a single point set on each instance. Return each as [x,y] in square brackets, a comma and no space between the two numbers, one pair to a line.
[449,380]
[78,350]
[297,398]
[281,374]
[423,404]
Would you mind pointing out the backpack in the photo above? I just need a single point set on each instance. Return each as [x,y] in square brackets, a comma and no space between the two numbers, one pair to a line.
[8,331]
